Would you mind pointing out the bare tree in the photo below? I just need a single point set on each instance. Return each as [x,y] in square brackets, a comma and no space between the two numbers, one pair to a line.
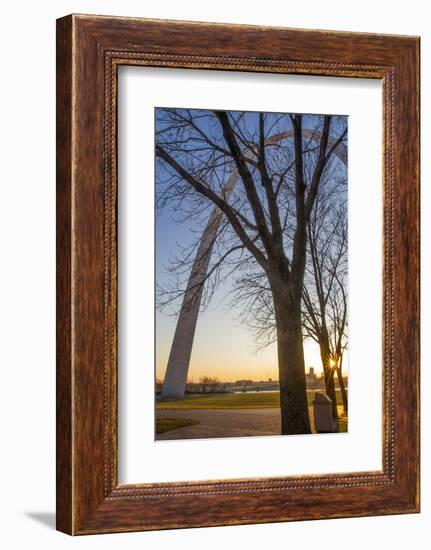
[338,320]
[324,319]
[324,295]
[265,218]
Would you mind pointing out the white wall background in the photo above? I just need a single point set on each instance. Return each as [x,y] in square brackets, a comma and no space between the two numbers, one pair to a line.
[27,279]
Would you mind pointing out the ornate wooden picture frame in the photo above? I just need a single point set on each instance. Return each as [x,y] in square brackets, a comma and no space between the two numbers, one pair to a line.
[89,51]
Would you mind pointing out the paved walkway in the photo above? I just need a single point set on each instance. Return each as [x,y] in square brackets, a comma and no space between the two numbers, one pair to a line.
[224,423]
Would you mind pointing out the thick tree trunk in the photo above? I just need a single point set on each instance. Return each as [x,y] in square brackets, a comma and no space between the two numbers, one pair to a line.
[293,391]
[342,390]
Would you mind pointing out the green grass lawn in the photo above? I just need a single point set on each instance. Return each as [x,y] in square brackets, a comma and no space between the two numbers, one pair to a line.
[168,424]
[342,423]
[259,400]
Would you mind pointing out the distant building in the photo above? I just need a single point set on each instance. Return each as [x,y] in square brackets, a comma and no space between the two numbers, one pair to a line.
[243,382]
[312,380]
[311,377]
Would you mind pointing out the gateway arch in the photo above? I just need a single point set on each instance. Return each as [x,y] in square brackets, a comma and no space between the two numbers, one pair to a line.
[174,384]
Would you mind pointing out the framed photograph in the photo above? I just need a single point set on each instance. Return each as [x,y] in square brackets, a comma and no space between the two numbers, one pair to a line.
[237,274]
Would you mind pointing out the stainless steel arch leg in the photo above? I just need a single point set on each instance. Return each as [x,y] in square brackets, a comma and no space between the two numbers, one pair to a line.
[174,384]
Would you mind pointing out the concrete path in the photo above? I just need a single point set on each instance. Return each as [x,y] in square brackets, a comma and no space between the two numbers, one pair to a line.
[224,423]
